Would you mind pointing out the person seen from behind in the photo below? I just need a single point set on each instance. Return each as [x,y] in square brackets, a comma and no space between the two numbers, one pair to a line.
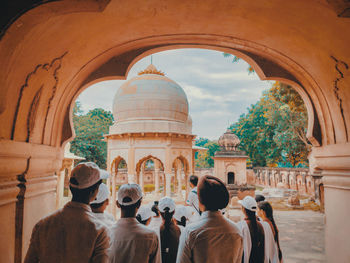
[99,205]
[144,215]
[214,238]
[252,232]
[273,249]
[131,241]
[181,216]
[156,219]
[259,198]
[169,232]
[73,233]
[192,198]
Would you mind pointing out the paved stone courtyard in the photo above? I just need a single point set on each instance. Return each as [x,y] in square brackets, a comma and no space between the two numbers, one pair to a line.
[301,236]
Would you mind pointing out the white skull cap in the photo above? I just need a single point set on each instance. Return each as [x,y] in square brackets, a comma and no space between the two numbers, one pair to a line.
[249,203]
[180,211]
[129,194]
[165,202]
[145,212]
[102,195]
[86,174]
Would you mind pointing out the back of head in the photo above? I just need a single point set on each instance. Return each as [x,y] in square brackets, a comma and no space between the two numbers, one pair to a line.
[267,208]
[85,179]
[129,199]
[83,194]
[166,208]
[212,193]
[194,180]
[155,209]
[259,198]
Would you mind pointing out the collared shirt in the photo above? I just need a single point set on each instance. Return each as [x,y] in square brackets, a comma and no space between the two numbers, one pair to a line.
[71,234]
[213,239]
[105,218]
[133,242]
[192,199]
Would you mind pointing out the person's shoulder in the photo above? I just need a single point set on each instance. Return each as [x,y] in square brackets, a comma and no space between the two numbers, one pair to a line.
[234,227]
[146,232]
[50,217]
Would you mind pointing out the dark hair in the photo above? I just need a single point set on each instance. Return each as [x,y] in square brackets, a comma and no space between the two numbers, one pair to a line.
[169,236]
[82,194]
[97,205]
[259,198]
[130,210]
[182,222]
[267,208]
[155,208]
[194,180]
[138,217]
[256,235]
[212,193]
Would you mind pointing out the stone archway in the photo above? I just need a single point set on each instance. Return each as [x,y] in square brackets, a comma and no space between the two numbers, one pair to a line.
[181,165]
[159,175]
[38,85]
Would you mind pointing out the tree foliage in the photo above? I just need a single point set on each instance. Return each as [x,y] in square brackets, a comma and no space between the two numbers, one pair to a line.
[89,130]
[204,159]
[273,132]
[236,59]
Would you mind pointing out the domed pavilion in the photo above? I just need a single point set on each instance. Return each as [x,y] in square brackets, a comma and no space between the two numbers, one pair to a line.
[230,164]
[152,123]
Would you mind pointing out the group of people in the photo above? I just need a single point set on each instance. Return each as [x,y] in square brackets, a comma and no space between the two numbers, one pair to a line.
[82,231]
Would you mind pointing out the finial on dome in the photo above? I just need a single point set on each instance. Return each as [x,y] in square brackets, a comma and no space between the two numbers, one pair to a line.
[151,69]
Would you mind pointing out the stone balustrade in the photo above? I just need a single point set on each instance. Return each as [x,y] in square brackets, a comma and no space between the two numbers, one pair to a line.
[299,179]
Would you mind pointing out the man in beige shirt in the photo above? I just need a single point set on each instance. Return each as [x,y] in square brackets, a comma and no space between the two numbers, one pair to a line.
[213,239]
[72,234]
[131,241]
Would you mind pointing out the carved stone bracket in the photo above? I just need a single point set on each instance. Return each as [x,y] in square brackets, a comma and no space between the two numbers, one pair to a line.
[35,97]
[341,68]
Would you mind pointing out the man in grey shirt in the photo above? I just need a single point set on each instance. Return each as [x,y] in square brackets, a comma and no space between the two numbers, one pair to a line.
[72,234]
[213,239]
[131,241]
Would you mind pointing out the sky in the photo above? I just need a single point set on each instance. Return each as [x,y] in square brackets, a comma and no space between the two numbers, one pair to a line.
[218,91]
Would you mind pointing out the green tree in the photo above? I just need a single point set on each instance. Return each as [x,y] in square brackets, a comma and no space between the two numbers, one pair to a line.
[89,130]
[205,159]
[273,131]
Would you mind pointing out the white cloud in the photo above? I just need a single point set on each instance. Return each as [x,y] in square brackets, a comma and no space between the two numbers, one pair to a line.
[217,89]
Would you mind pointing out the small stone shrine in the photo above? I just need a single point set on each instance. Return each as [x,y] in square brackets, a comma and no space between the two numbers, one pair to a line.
[230,164]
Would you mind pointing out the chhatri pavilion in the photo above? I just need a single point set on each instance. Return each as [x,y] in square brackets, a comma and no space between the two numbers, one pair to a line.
[152,122]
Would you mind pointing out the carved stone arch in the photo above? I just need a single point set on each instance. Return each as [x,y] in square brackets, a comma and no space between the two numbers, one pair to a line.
[268,63]
[116,162]
[140,162]
[184,162]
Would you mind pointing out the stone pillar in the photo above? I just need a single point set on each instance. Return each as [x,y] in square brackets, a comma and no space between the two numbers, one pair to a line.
[168,184]
[156,180]
[28,186]
[114,194]
[334,163]
[131,161]
[60,188]
[141,175]
[179,185]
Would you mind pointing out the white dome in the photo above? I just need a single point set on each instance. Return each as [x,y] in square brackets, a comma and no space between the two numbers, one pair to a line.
[150,102]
